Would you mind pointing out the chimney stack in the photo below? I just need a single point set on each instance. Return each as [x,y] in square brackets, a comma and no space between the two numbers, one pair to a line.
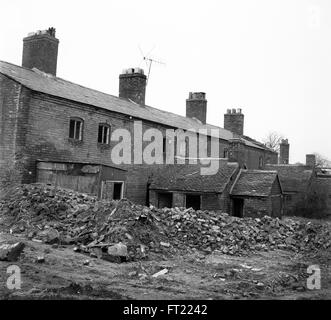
[310,160]
[284,152]
[196,106]
[133,85]
[40,51]
[234,121]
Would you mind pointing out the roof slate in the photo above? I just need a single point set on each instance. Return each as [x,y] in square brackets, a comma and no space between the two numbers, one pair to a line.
[254,183]
[187,177]
[293,178]
[54,86]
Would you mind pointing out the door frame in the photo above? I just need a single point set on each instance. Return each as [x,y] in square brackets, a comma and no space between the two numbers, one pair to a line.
[112,181]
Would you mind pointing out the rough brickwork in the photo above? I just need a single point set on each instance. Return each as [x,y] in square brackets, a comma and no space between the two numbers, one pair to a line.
[40,51]
[234,121]
[284,152]
[133,86]
[13,113]
[196,106]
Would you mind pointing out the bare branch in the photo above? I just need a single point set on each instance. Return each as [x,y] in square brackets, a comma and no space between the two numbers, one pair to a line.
[321,161]
[273,140]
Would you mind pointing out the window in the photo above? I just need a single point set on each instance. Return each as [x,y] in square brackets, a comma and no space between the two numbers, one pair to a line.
[76,129]
[261,162]
[164,147]
[226,153]
[104,133]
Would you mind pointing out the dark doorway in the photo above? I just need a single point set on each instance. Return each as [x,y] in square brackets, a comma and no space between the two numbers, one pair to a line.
[238,207]
[193,201]
[117,193]
[165,200]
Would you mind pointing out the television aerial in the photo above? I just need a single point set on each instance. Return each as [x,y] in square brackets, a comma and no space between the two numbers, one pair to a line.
[149,61]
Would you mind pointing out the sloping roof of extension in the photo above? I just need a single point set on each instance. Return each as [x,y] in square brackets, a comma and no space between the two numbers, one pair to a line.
[254,183]
[293,178]
[187,177]
[79,163]
[54,86]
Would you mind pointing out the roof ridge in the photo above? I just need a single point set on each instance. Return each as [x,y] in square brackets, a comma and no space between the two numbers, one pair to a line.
[189,121]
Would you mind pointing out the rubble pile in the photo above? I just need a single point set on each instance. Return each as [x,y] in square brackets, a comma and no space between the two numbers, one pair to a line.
[106,229]
[60,216]
[208,231]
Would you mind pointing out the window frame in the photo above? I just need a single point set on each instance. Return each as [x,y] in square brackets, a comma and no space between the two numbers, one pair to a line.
[104,126]
[81,128]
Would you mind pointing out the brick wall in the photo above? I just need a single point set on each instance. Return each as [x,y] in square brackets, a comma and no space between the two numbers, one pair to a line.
[257,207]
[43,133]
[13,112]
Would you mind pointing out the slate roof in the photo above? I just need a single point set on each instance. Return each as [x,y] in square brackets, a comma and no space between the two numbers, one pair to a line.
[293,178]
[187,177]
[254,183]
[54,86]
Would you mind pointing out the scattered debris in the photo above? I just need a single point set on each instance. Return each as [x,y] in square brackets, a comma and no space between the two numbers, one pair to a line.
[11,252]
[86,262]
[40,259]
[122,229]
[165,244]
[160,273]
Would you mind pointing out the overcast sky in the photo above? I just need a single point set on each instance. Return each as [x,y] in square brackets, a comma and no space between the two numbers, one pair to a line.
[272,58]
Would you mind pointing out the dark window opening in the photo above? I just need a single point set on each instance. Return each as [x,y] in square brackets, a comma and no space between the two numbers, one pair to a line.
[117,192]
[104,134]
[165,200]
[76,129]
[164,148]
[238,207]
[193,201]
[225,153]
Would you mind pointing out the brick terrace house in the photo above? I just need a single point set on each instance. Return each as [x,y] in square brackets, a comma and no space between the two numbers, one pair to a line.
[52,128]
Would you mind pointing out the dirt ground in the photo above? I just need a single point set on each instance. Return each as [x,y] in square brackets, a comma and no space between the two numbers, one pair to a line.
[65,275]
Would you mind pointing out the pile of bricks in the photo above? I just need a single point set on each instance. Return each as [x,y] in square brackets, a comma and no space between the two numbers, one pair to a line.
[63,217]
[207,231]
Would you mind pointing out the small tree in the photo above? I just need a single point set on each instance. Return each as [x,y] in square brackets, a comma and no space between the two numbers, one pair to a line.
[273,140]
[322,161]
